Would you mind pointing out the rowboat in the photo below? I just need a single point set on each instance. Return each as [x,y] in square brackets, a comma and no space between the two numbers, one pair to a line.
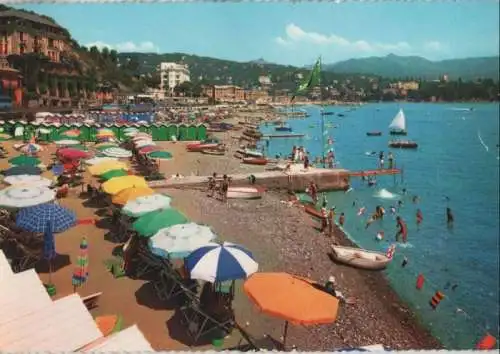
[374,133]
[245,192]
[255,161]
[403,144]
[213,152]
[360,258]
[201,147]
[250,153]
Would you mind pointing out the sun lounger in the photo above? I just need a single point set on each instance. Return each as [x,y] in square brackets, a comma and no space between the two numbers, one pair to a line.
[91,301]
[170,285]
[199,323]
[148,263]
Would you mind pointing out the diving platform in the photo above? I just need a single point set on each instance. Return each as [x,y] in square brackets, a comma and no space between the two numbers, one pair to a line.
[379,172]
[297,181]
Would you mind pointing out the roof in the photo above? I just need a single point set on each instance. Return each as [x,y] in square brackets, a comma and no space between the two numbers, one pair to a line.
[22,294]
[64,325]
[5,269]
[130,339]
[30,17]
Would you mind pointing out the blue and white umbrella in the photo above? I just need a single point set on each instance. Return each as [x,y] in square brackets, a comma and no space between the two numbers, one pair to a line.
[178,241]
[218,263]
[35,218]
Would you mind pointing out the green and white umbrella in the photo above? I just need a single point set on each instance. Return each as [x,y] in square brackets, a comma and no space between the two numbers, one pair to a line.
[67,142]
[23,160]
[149,224]
[98,160]
[117,152]
[161,155]
[146,204]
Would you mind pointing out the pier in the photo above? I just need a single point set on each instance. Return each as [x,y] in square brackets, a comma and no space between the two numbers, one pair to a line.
[379,172]
[325,179]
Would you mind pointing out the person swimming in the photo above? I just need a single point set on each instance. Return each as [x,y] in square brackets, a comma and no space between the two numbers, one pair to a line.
[402,229]
[392,208]
[379,236]
[361,211]
[420,217]
[449,217]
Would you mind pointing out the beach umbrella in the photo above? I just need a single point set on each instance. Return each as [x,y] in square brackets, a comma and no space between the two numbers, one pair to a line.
[178,241]
[142,136]
[217,263]
[73,133]
[148,149]
[49,247]
[149,224]
[161,155]
[130,194]
[81,273]
[113,173]
[147,204]
[130,130]
[63,142]
[98,160]
[4,137]
[144,143]
[30,148]
[117,152]
[105,146]
[117,184]
[105,134]
[30,180]
[291,298]
[25,196]
[72,154]
[43,131]
[79,147]
[106,166]
[22,170]
[23,160]
[35,218]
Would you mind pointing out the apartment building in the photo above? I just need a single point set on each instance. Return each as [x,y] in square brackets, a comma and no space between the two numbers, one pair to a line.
[22,33]
[224,93]
[171,75]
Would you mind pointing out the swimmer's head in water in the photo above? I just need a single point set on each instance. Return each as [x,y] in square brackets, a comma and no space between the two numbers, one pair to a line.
[398,218]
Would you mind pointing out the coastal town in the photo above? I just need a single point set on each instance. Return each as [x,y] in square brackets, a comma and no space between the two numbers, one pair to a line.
[145,206]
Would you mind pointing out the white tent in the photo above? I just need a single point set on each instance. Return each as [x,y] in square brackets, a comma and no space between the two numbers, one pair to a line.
[22,294]
[64,325]
[5,269]
[130,339]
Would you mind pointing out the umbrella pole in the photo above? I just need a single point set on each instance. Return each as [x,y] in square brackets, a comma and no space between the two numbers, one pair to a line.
[50,270]
[285,333]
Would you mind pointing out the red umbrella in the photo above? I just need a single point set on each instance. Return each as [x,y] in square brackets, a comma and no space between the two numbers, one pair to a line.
[148,149]
[72,154]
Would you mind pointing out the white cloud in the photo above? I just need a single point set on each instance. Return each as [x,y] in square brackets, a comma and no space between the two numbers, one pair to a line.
[433,46]
[146,46]
[295,35]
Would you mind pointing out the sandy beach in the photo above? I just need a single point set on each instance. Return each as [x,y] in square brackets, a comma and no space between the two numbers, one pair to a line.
[281,237]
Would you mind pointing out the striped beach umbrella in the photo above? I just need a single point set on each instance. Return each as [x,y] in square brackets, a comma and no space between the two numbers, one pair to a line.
[30,148]
[218,263]
[81,273]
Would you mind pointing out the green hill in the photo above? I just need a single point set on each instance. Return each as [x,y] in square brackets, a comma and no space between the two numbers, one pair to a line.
[394,66]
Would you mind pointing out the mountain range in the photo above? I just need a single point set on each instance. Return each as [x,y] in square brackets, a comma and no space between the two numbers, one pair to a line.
[394,66]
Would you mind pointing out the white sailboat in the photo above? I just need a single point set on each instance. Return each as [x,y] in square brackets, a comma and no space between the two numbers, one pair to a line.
[398,124]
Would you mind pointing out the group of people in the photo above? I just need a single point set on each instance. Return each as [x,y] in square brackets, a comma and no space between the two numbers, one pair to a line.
[218,186]
[390,160]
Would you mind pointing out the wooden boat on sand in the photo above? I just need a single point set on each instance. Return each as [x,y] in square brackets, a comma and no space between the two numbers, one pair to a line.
[255,161]
[201,147]
[253,192]
[213,152]
[360,258]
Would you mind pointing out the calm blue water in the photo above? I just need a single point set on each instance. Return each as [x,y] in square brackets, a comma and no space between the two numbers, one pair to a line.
[450,161]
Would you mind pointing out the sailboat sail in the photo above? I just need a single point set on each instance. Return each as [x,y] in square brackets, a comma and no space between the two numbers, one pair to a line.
[399,122]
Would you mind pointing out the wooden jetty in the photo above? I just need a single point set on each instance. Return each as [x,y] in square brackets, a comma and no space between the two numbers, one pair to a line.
[379,172]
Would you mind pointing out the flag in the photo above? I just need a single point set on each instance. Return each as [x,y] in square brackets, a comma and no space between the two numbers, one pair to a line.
[312,80]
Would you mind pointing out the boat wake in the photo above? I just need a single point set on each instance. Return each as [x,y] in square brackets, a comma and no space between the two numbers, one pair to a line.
[482,142]
[385,194]
[404,245]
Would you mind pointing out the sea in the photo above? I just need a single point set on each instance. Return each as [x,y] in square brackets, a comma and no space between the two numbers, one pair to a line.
[456,165]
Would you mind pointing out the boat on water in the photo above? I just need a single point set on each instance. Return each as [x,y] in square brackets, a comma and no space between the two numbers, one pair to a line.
[360,258]
[398,124]
[328,113]
[261,161]
[283,129]
[374,133]
[254,192]
[403,144]
[291,135]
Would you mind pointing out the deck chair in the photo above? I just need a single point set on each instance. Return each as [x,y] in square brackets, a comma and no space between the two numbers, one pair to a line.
[200,324]
[170,285]
[147,262]
[255,344]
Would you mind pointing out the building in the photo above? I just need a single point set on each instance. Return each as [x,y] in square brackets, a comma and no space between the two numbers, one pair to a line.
[256,95]
[171,75]
[22,33]
[406,86]
[224,93]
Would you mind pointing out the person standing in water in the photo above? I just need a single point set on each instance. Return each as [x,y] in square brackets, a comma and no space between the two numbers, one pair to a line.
[390,160]
[449,217]
[402,229]
[341,219]
[420,218]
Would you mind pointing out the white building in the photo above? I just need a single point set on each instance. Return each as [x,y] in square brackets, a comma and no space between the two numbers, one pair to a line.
[171,75]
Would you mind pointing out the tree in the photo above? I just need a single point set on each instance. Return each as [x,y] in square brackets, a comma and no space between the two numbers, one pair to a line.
[184,89]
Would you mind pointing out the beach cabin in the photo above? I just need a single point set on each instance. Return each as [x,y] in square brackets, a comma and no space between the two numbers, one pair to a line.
[18,130]
[93,133]
[201,132]
[85,132]
[182,132]
[172,130]
[192,132]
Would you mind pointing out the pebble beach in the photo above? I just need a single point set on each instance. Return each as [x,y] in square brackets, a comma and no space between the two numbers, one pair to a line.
[281,237]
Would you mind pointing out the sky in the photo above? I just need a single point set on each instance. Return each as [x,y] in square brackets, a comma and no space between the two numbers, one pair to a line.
[287,33]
